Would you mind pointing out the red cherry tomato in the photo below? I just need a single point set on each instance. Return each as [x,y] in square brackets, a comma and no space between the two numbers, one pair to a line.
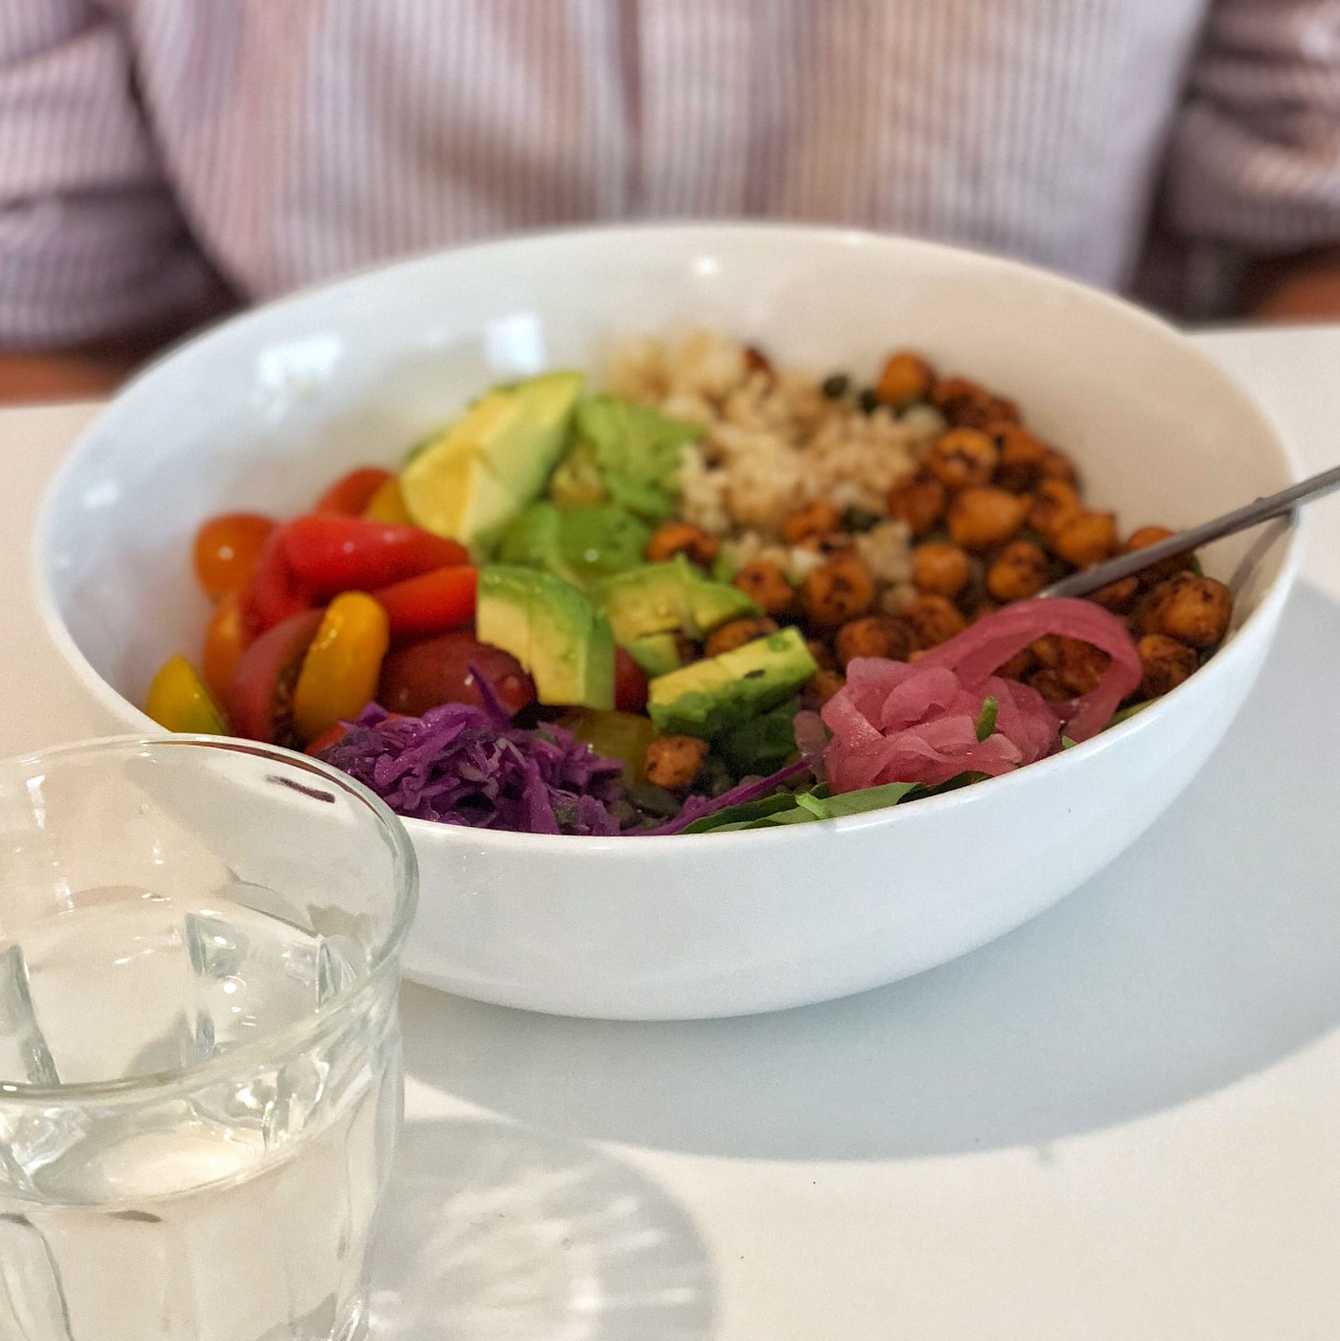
[260,698]
[433,603]
[227,550]
[332,735]
[351,493]
[630,683]
[226,639]
[274,592]
[330,554]
[437,670]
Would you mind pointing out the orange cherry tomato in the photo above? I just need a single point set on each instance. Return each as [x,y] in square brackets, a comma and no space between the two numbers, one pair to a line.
[227,549]
[226,639]
[351,493]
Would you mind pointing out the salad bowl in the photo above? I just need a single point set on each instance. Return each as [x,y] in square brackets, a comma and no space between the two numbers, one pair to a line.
[252,414]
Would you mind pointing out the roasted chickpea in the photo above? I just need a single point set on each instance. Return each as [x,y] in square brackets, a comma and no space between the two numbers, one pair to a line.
[1165,568]
[1018,666]
[874,636]
[820,687]
[766,585]
[1021,456]
[940,568]
[980,518]
[1058,466]
[837,591]
[1087,539]
[1046,651]
[1194,610]
[1019,571]
[677,537]
[962,457]
[970,405]
[920,502]
[811,522]
[1075,666]
[934,620]
[822,654]
[906,377]
[736,633]
[1118,596]
[673,762]
[1082,666]
[1048,683]
[1166,664]
[1054,503]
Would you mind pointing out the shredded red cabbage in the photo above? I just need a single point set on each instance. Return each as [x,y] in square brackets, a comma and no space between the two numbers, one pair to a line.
[461,764]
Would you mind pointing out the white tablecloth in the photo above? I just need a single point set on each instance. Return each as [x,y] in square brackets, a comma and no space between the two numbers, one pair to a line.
[1120,1123]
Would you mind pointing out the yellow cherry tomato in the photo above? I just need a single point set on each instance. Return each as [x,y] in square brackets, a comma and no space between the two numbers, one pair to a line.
[387,504]
[339,673]
[179,701]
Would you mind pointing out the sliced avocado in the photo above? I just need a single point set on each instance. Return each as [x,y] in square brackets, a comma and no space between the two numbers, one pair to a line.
[626,454]
[669,597]
[598,542]
[532,540]
[720,693]
[470,481]
[582,545]
[656,653]
[552,629]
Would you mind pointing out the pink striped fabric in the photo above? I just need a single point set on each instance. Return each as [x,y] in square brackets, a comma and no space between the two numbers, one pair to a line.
[155,154]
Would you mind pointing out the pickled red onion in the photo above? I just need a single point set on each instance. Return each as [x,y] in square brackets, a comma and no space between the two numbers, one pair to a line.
[992,641]
[895,722]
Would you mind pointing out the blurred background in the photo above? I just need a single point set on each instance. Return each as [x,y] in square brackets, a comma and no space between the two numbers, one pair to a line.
[163,163]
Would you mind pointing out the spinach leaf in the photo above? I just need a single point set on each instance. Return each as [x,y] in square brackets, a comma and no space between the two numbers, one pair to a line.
[1126,713]
[743,815]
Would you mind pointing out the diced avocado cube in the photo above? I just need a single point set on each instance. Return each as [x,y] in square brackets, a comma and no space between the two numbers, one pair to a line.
[656,653]
[552,629]
[714,695]
[470,481]
[668,597]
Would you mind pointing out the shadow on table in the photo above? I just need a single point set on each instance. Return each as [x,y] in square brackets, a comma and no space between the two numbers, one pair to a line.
[1206,953]
[494,1232]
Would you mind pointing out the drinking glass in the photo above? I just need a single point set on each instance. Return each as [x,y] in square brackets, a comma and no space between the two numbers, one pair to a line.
[200,1072]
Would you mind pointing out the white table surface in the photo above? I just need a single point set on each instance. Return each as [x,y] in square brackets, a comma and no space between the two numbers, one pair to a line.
[1120,1123]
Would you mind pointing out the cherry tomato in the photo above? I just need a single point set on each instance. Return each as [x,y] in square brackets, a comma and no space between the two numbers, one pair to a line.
[433,603]
[274,592]
[339,673]
[331,736]
[437,670]
[351,493]
[388,505]
[226,639]
[260,698]
[227,550]
[179,700]
[630,683]
[330,554]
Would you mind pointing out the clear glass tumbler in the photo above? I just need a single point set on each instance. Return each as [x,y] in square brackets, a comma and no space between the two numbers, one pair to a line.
[200,1073]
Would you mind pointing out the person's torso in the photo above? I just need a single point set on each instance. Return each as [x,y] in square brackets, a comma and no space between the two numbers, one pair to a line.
[314,136]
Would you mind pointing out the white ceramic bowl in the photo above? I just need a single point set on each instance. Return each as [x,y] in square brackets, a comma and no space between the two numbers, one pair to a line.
[261,411]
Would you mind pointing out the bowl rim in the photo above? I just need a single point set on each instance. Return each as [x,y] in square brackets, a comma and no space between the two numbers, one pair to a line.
[202,344]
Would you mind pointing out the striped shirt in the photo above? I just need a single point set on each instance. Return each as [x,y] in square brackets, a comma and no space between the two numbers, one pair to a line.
[159,157]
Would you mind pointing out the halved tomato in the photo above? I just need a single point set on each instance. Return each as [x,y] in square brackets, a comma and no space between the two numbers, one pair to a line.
[260,697]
